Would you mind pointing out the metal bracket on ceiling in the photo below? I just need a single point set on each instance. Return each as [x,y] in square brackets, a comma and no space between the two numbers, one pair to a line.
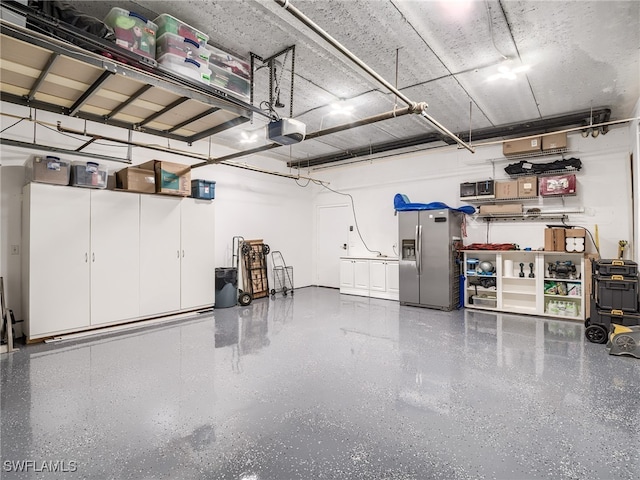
[275,79]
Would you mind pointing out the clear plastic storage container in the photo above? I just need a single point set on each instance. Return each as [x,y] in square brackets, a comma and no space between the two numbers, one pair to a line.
[231,63]
[169,24]
[47,169]
[185,67]
[89,174]
[133,31]
[228,82]
[183,47]
[230,73]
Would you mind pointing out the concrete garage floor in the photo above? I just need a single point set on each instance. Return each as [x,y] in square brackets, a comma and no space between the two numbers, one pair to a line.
[324,386]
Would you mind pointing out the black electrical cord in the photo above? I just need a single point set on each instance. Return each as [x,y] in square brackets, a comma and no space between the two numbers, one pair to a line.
[355,219]
[10,126]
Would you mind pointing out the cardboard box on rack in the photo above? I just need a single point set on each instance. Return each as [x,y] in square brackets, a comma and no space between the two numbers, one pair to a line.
[505,208]
[554,239]
[170,178]
[554,142]
[528,186]
[506,189]
[517,147]
[136,180]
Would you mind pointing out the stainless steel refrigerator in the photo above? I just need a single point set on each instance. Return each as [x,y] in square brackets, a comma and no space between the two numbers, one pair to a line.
[429,272]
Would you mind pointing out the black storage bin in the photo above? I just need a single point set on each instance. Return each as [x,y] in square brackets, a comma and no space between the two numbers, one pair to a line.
[468,189]
[625,268]
[485,188]
[226,287]
[617,294]
[606,318]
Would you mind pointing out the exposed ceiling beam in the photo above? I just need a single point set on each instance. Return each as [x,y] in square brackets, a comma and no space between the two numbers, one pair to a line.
[531,127]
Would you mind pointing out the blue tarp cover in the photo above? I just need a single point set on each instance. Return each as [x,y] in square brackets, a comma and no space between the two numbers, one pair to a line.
[402,204]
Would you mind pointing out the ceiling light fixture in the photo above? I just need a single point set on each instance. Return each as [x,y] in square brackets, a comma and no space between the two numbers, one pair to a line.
[508,73]
[339,108]
[248,137]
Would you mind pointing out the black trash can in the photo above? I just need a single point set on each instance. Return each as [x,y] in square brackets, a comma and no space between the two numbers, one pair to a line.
[226,287]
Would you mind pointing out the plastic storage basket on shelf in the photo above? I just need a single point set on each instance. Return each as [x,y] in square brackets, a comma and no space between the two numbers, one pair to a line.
[47,169]
[133,31]
[169,24]
[203,189]
[183,47]
[185,67]
[230,73]
[88,174]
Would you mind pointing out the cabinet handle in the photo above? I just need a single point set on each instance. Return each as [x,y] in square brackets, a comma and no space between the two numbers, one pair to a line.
[182,253]
[86,257]
[93,257]
[178,252]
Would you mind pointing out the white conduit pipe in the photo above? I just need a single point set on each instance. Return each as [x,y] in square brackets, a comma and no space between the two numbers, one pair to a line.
[417,107]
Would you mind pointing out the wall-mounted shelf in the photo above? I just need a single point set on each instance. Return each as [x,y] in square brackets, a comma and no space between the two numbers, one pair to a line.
[536,199]
[539,154]
[523,217]
[563,171]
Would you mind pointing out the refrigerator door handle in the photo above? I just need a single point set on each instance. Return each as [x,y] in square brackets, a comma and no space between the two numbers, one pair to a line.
[419,249]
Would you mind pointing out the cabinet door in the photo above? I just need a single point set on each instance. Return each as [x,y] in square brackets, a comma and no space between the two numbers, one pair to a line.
[115,256]
[197,253]
[58,256]
[378,275]
[159,254]
[361,274]
[393,277]
[346,273]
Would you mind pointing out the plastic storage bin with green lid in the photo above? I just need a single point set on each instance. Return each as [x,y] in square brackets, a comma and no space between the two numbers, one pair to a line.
[133,31]
[167,23]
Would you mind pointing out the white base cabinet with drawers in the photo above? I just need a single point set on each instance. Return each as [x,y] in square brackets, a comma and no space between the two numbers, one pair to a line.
[538,283]
[370,277]
[92,258]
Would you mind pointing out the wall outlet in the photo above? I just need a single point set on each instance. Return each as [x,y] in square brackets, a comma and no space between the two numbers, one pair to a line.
[15,249]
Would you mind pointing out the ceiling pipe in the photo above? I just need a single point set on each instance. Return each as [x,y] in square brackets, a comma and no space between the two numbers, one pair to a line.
[310,136]
[189,155]
[532,128]
[419,108]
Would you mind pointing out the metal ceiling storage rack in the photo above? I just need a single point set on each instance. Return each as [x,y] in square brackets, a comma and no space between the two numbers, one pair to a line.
[46,73]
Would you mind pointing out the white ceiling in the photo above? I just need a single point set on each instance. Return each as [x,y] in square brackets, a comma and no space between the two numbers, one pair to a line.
[581,54]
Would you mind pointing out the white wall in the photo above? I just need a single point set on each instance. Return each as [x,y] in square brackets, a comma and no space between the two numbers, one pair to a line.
[249,204]
[604,190]
[255,205]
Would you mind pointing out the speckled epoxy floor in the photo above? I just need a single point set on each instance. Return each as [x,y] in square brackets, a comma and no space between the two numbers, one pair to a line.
[324,386]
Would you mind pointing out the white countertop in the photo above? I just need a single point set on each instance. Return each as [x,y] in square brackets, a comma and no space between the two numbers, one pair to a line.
[362,257]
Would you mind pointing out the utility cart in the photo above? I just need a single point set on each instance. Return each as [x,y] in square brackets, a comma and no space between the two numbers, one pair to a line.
[245,294]
[254,273]
[614,298]
[282,275]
